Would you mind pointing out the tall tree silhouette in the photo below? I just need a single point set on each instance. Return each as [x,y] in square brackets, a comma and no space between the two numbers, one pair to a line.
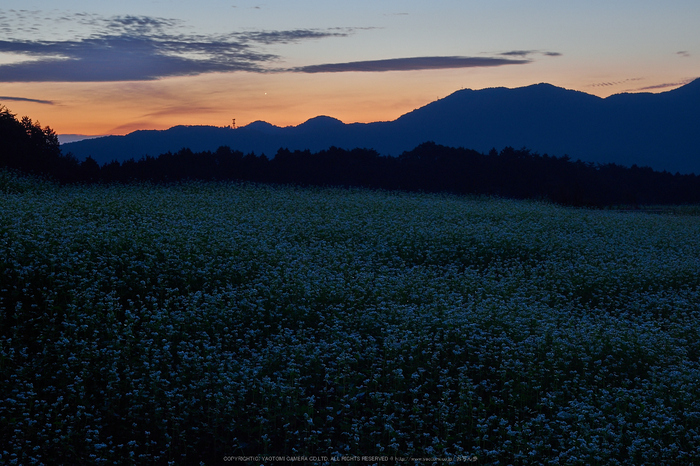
[28,147]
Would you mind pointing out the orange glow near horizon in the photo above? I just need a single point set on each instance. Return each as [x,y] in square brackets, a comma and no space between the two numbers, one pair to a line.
[282,99]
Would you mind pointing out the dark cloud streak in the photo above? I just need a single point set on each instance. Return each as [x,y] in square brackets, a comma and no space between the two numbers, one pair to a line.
[409,64]
[525,53]
[24,99]
[516,53]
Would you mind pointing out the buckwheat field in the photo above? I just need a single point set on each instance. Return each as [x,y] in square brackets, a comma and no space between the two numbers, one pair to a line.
[191,323]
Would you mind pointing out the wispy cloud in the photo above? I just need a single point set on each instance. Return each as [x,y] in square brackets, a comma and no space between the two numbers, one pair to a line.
[140,48]
[525,53]
[189,109]
[286,37]
[24,99]
[410,64]
[683,53]
[516,53]
[665,85]
[614,83]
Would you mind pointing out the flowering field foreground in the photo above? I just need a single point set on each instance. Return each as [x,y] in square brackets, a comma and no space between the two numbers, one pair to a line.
[186,324]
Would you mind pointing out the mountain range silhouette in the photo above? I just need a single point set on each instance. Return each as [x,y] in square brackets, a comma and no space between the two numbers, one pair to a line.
[655,130]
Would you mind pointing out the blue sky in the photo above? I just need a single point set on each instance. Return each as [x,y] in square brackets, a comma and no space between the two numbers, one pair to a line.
[113,67]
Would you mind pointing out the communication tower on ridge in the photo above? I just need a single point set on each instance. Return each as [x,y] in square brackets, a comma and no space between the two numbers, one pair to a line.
[233,125]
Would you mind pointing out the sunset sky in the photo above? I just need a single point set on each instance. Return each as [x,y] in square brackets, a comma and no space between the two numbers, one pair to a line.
[97,67]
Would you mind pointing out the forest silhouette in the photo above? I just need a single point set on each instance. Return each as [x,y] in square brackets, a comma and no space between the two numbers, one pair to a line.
[29,148]
[429,167]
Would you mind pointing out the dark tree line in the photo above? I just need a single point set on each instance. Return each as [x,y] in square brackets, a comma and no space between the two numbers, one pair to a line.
[513,173]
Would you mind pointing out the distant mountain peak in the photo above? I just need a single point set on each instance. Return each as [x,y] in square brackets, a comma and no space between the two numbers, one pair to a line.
[320,121]
[262,127]
[259,124]
[657,130]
